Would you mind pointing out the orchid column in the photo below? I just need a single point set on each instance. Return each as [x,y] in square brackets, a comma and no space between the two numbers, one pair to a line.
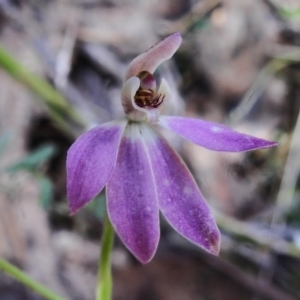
[142,173]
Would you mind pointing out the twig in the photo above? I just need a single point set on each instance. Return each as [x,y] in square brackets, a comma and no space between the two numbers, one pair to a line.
[286,193]
[257,287]
[261,81]
[257,88]
[187,21]
[64,56]
[261,237]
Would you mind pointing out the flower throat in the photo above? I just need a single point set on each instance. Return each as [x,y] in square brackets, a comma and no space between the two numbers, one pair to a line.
[146,95]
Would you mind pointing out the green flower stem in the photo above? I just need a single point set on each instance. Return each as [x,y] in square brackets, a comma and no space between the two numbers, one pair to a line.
[26,280]
[104,284]
[59,108]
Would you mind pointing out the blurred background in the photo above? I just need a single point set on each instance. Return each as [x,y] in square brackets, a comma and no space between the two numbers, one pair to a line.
[239,64]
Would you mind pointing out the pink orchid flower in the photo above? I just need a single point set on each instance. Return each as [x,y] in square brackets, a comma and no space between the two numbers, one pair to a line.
[142,173]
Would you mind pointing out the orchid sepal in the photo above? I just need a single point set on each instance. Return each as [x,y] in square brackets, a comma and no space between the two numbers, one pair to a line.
[89,167]
[213,136]
[132,197]
[180,200]
[153,57]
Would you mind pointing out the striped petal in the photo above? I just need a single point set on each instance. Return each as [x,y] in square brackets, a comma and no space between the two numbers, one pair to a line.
[213,136]
[91,161]
[179,198]
[153,57]
[132,198]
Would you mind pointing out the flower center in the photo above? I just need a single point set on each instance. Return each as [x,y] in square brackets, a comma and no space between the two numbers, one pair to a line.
[146,95]
[146,98]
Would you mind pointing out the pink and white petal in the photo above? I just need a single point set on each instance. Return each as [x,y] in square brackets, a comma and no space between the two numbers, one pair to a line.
[91,161]
[153,57]
[213,136]
[129,90]
[166,92]
[132,198]
[180,200]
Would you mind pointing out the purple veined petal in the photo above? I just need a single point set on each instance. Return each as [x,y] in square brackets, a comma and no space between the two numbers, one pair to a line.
[91,161]
[213,136]
[132,197]
[153,57]
[180,200]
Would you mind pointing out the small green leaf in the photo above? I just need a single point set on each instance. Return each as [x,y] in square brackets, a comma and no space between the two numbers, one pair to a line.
[46,191]
[290,13]
[34,159]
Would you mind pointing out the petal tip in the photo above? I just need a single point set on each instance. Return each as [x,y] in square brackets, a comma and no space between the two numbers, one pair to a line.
[76,204]
[73,208]
[261,144]
[270,144]
[72,211]
[215,248]
[177,36]
[175,40]
[143,254]
[76,199]
[214,244]
[144,260]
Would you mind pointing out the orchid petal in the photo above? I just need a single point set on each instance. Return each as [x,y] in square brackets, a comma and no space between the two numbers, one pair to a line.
[90,163]
[213,136]
[180,200]
[165,91]
[153,57]
[132,198]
